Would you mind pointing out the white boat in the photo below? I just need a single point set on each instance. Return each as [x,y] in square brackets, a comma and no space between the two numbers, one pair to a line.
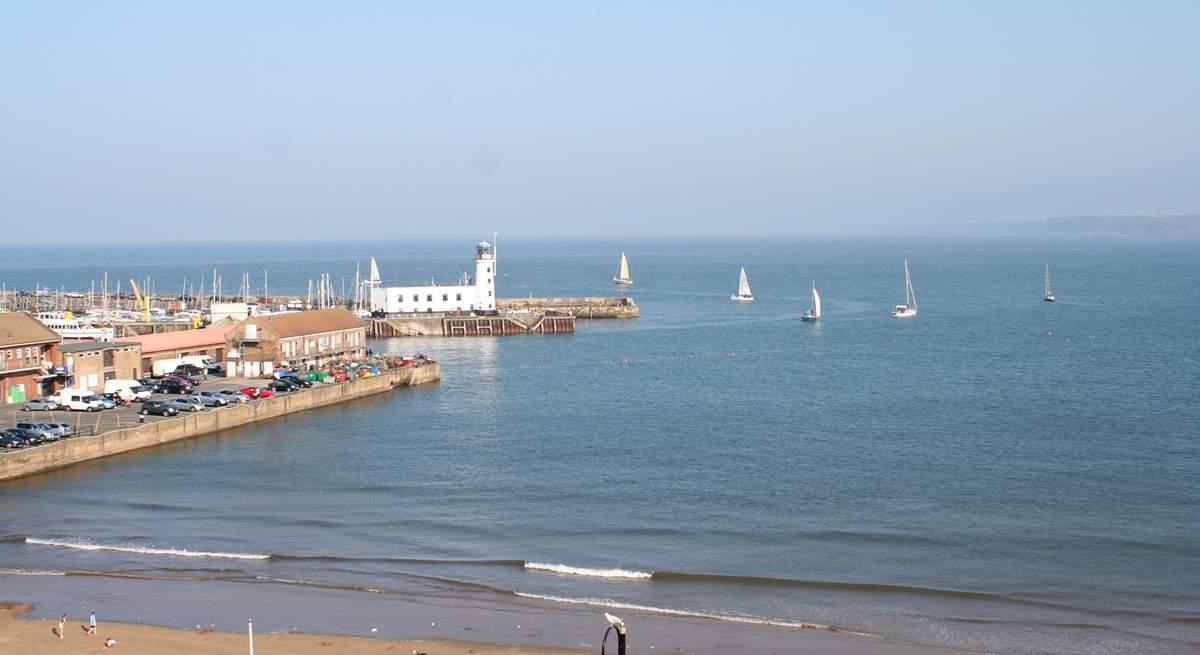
[743,293]
[813,312]
[909,308]
[1049,293]
[622,277]
[72,329]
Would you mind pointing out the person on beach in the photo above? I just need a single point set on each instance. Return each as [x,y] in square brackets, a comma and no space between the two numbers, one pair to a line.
[110,642]
[92,624]
[62,626]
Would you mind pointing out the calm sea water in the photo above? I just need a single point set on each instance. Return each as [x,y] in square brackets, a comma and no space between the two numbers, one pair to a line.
[998,474]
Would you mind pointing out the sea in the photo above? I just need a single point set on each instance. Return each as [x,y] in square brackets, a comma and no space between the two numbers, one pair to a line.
[998,474]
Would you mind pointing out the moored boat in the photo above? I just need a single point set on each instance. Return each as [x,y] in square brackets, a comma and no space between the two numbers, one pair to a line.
[909,308]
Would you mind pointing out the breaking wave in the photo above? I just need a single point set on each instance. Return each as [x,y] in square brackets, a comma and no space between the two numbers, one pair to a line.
[81,544]
[564,569]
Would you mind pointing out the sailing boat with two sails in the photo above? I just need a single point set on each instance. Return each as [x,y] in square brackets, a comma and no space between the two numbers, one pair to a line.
[743,291]
[1049,293]
[909,308]
[813,312]
[622,278]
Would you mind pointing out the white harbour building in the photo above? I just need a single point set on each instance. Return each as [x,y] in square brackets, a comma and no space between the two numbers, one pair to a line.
[477,294]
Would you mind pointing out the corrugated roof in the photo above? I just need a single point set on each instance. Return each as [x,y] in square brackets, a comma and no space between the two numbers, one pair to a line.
[19,328]
[83,346]
[296,324]
[213,335]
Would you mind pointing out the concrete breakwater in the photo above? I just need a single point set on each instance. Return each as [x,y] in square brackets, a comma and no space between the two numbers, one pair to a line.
[579,307]
[20,463]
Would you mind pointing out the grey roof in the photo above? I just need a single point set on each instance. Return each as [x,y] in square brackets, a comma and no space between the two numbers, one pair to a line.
[82,346]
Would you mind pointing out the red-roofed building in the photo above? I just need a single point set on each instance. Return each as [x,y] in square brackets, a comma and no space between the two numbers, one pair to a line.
[303,340]
[208,341]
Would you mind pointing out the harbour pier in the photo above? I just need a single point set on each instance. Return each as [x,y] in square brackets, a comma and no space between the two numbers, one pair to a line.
[59,454]
[622,307]
[452,325]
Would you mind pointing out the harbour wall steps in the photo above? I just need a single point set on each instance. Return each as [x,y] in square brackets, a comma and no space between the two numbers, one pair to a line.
[450,325]
[47,457]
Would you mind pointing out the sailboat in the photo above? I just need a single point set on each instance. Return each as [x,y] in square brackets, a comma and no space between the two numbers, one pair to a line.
[909,308]
[813,312]
[622,277]
[743,293]
[1049,293]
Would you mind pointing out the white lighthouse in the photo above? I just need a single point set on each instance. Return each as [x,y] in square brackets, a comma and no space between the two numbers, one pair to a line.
[474,295]
[485,277]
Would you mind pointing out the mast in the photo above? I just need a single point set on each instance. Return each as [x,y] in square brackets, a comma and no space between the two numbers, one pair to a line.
[1047,279]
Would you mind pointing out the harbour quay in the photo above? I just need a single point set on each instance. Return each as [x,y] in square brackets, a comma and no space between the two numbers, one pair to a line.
[113,438]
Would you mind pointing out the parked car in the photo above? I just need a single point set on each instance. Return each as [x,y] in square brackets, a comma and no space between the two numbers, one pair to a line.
[47,433]
[186,379]
[105,401]
[211,399]
[232,395]
[257,392]
[39,405]
[185,404]
[295,378]
[10,441]
[282,386]
[158,408]
[30,437]
[168,385]
[64,429]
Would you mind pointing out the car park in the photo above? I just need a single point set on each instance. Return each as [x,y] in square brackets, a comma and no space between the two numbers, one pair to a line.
[39,405]
[158,408]
[211,399]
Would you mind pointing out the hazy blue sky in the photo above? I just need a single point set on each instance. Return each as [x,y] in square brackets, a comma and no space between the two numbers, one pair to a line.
[309,120]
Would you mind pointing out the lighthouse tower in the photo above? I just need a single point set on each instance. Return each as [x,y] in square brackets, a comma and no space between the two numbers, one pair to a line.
[485,277]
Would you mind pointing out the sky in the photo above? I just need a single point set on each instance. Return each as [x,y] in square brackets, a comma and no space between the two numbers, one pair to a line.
[296,120]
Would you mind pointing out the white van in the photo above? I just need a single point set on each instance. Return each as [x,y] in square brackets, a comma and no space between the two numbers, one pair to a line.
[166,366]
[201,361]
[127,389]
[80,400]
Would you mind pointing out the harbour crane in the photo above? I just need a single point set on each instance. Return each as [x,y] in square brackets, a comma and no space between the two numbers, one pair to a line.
[142,301]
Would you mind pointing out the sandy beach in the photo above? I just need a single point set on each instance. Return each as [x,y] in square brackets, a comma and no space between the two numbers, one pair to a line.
[40,636]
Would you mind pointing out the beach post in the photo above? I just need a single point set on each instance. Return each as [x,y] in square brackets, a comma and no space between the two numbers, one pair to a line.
[614,624]
[250,631]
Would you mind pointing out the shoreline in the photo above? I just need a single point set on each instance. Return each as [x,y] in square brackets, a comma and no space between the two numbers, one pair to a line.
[457,624]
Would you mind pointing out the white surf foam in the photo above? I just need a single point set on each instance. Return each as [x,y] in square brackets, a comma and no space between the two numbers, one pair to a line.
[81,544]
[563,569]
[26,572]
[612,604]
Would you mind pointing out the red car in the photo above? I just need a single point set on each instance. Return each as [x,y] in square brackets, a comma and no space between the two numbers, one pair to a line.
[256,392]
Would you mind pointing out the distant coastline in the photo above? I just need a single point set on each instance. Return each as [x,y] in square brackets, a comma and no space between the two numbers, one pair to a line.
[1119,226]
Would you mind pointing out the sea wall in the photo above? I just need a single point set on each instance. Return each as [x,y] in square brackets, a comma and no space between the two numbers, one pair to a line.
[580,306]
[20,463]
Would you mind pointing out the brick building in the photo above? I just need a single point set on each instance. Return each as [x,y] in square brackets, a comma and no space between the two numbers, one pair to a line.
[90,364]
[28,350]
[173,345]
[312,339]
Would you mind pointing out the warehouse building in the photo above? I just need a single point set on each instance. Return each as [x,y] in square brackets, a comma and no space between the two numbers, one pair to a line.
[28,350]
[89,364]
[303,340]
[208,341]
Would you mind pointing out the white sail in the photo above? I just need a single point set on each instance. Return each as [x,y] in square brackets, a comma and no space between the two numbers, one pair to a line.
[816,301]
[744,285]
[1048,279]
[374,279]
[622,276]
[910,294]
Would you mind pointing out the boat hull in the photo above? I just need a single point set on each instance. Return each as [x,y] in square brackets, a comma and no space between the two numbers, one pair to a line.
[904,311]
[809,318]
[1050,298]
[622,283]
[741,298]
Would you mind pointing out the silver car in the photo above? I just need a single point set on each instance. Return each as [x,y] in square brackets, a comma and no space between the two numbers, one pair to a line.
[39,405]
[44,429]
[232,395]
[186,404]
[210,398]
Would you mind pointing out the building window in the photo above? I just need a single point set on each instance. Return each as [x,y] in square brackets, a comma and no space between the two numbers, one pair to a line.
[445,297]
[489,293]
[489,280]
[429,297]
[489,269]
[458,296]
[416,298]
